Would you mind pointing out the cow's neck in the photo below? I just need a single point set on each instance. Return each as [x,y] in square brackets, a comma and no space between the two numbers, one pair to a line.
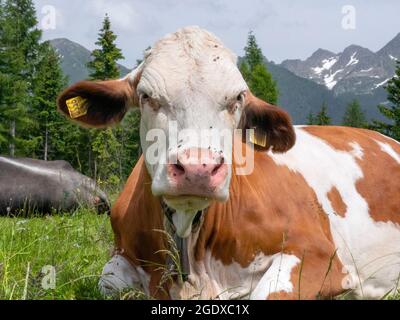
[180,244]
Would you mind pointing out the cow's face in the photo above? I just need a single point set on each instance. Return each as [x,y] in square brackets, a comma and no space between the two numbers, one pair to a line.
[190,84]
[192,97]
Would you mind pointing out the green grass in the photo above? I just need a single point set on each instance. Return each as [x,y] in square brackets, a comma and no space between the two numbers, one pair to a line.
[77,245]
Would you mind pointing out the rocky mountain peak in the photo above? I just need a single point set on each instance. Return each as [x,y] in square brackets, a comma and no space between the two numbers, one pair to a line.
[355,70]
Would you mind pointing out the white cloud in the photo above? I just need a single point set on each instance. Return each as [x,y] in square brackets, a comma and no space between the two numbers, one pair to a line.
[122,13]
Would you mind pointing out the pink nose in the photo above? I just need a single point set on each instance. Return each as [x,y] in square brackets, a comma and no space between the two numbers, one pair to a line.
[198,172]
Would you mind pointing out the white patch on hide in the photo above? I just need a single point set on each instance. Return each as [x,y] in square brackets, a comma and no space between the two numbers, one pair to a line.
[368,248]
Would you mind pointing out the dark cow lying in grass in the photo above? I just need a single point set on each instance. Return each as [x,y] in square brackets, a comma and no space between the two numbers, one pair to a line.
[36,186]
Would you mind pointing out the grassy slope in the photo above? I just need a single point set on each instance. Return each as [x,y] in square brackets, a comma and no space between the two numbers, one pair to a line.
[77,245]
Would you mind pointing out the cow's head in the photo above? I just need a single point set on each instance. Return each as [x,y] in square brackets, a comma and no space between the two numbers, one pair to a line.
[190,82]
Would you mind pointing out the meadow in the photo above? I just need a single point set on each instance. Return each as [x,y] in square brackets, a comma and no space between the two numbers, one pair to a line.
[75,245]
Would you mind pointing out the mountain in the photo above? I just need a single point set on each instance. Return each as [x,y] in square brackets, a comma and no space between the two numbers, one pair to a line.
[74,59]
[301,96]
[356,70]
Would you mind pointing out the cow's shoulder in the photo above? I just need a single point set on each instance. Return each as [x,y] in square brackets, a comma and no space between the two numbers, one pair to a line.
[269,210]
[136,217]
[132,191]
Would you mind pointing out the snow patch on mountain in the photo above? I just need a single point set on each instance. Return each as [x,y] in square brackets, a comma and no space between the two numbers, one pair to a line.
[330,81]
[353,60]
[355,70]
[327,64]
[382,83]
[366,70]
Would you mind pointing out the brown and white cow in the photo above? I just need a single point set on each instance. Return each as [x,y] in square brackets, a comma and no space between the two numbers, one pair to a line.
[319,213]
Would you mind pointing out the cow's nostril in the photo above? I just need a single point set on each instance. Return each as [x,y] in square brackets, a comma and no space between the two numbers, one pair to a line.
[218,166]
[179,167]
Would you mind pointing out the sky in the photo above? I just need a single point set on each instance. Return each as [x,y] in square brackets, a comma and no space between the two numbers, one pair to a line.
[285,29]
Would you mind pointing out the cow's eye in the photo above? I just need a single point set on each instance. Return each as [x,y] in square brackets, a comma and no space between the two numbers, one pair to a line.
[236,104]
[145,96]
[240,97]
[148,100]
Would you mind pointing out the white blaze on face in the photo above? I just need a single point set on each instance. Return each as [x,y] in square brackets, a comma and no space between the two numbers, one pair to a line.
[191,79]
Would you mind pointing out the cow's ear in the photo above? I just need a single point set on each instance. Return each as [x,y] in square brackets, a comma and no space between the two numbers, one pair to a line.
[98,104]
[272,125]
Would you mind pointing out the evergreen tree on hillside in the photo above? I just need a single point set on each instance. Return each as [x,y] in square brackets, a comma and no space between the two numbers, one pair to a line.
[354,116]
[104,66]
[310,119]
[129,138]
[49,124]
[253,53]
[19,38]
[245,70]
[262,85]
[30,80]
[322,118]
[391,112]
[105,154]
[3,80]
[255,72]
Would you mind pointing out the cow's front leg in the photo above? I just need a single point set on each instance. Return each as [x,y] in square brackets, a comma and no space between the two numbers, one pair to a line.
[278,277]
[308,276]
[119,274]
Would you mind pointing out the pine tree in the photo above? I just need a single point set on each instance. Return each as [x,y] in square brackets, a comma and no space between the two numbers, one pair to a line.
[310,119]
[255,72]
[354,116]
[3,120]
[322,118]
[48,83]
[106,149]
[391,112]
[19,38]
[262,84]
[253,53]
[129,137]
[104,64]
[105,153]
[245,70]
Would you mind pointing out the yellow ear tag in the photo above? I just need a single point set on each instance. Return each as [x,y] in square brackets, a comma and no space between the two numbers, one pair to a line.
[77,107]
[258,140]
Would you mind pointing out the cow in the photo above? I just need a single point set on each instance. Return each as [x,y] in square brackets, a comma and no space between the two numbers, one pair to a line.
[31,186]
[317,214]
